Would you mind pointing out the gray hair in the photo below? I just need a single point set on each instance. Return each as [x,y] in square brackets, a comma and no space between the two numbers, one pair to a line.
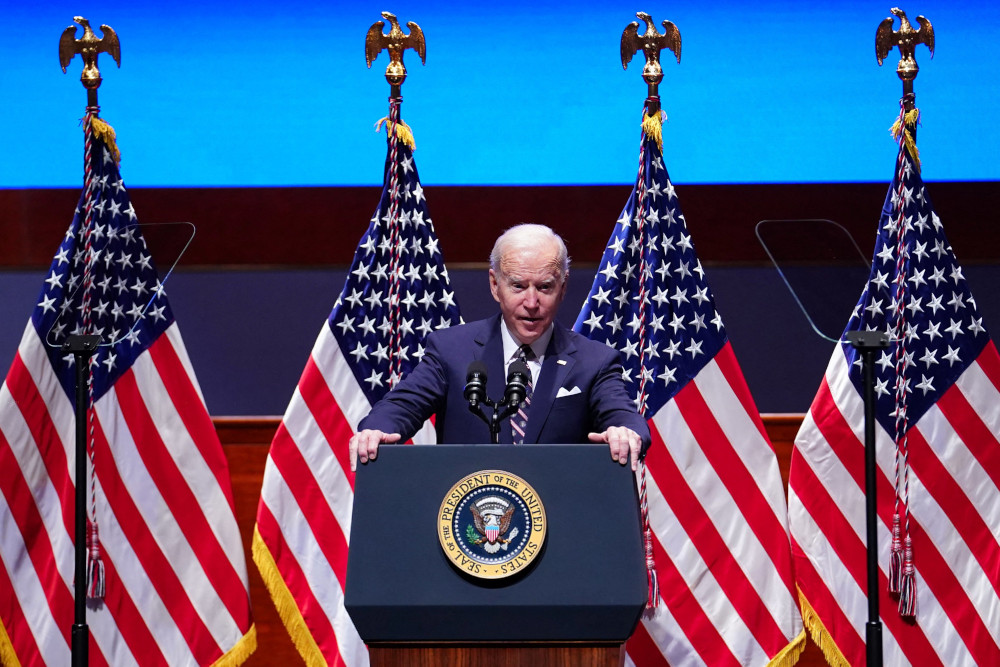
[527,233]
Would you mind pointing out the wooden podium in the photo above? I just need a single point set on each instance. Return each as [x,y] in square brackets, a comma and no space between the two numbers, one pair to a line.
[575,604]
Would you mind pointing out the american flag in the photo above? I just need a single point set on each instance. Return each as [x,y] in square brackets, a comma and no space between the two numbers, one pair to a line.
[937,389]
[715,497]
[160,503]
[397,291]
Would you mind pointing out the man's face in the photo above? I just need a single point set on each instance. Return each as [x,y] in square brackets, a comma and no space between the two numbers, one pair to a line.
[529,289]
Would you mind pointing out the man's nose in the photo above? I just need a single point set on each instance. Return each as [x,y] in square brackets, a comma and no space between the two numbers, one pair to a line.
[531,298]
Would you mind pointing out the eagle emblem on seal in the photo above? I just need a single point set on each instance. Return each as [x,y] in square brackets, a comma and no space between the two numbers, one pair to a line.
[491,518]
[491,524]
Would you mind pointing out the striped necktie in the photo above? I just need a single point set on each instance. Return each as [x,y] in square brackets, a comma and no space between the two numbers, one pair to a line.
[519,421]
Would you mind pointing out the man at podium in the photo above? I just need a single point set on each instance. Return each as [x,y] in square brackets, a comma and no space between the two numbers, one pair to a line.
[575,391]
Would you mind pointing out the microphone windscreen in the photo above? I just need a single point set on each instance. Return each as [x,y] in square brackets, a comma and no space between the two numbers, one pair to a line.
[518,379]
[518,367]
[477,367]
[475,383]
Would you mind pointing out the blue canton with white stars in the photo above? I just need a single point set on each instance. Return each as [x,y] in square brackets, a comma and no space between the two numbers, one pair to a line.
[925,306]
[650,299]
[383,314]
[102,281]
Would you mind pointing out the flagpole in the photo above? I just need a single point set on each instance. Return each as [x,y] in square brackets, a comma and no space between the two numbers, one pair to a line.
[83,346]
[651,42]
[868,342]
[396,42]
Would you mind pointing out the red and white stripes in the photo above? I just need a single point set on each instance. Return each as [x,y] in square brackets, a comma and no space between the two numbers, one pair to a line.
[176,577]
[954,512]
[721,542]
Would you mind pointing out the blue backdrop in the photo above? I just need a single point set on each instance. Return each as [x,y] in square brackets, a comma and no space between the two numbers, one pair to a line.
[277,93]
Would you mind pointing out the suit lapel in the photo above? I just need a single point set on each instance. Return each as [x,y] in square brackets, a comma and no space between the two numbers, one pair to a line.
[559,361]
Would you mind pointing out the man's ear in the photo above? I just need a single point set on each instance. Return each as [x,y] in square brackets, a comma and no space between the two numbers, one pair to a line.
[564,285]
[494,286]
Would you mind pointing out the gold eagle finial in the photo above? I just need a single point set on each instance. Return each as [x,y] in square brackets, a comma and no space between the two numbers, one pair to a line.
[906,38]
[88,47]
[650,43]
[395,42]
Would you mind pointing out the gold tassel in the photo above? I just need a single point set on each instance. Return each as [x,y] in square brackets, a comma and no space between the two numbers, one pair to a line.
[288,610]
[403,132]
[653,127]
[239,653]
[106,133]
[898,129]
[819,634]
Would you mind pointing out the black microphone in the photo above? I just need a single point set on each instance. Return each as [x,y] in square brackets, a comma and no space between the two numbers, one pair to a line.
[518,379]
[475,383]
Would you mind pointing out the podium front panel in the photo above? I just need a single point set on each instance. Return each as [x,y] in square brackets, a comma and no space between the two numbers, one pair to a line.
[588,582]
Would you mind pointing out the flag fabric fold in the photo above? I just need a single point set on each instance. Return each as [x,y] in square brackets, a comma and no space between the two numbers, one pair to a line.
[715,499]
[937,393]
[397,291]
[168,574]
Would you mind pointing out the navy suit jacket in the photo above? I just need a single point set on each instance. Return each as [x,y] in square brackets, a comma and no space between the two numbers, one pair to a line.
[580,390]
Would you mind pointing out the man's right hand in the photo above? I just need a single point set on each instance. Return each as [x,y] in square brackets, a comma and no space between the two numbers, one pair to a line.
[364,445]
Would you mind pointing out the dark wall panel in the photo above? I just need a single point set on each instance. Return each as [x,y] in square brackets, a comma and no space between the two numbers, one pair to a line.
[249,332]
[320,226]
[267,264]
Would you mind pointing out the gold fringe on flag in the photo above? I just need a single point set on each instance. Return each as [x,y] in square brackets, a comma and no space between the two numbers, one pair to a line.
[7,655]
[903,128]
[820,635]
[106,133]
[403,132]
[790,655]
[284,602]
[653,127]
[239,653]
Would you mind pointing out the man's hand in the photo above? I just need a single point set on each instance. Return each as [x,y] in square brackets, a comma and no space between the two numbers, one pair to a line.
[622,441]
[364,445]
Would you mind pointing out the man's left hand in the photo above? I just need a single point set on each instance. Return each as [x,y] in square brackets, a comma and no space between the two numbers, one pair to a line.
[622,441]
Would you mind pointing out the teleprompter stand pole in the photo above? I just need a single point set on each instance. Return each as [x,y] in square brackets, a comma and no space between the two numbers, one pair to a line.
[82,347]
[867,343]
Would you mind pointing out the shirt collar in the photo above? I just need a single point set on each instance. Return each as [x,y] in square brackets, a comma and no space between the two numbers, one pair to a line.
[510,344]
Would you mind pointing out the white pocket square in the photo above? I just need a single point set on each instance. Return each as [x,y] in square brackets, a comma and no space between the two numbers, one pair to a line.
[563,391]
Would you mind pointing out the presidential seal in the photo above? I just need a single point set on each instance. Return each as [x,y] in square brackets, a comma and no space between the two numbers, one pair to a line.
[491,524]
